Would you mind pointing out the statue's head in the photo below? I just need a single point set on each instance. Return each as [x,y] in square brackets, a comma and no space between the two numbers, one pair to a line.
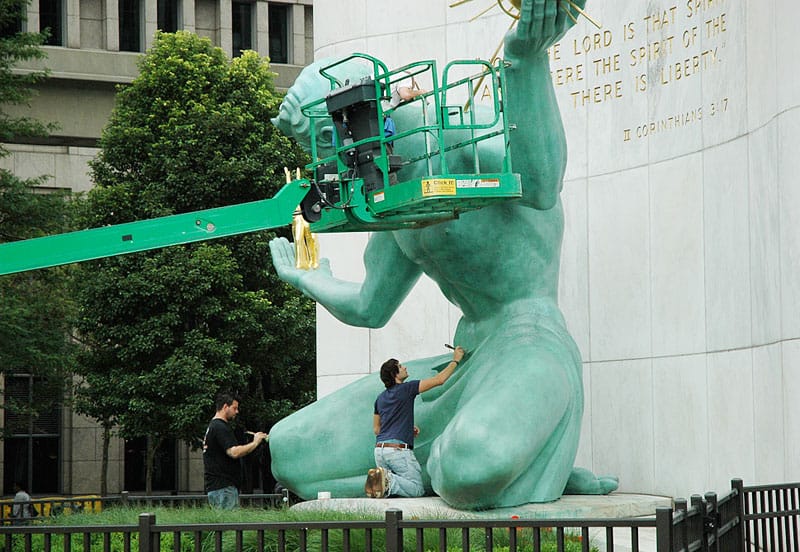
[309,86]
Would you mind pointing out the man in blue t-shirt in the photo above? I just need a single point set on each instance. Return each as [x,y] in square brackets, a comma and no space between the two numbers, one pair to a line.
[398,472]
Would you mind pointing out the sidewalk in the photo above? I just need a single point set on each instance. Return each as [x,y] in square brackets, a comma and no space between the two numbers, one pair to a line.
[622,539]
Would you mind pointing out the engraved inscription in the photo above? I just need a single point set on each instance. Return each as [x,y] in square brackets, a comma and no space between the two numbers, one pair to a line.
[661,47]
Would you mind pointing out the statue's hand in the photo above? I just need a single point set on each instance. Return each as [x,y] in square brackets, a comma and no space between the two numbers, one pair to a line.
[541,24]
[284,261]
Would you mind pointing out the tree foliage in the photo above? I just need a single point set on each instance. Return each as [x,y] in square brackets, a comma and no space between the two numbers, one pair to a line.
[35,307]
[18,88]
[175,326]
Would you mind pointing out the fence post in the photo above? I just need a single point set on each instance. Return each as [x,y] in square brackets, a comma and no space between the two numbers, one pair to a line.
[124,496]
[146,541]
[664,529]
[394,535]
[698,527]
[711,520]
[681,532]
[738,486]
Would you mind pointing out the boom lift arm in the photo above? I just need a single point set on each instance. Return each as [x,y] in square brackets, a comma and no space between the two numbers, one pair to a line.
[132,237]
[356,189]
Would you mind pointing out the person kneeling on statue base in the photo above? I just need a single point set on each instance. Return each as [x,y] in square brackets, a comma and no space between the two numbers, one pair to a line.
[398,472]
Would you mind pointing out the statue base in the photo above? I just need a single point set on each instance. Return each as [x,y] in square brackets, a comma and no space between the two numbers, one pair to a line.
[614,505]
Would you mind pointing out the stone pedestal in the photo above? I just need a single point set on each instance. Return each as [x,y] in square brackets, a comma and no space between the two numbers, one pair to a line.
[615,505]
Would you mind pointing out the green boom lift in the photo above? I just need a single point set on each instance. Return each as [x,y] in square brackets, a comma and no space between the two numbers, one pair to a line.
[363,186]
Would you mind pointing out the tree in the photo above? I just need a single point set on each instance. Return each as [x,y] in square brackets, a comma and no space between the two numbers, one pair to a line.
[97,399]
[17,88]
[35,307]
[175,326]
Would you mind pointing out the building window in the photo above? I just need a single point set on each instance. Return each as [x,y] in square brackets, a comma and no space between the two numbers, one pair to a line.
[51,17]
[242,27]
[130,25]
[164,465]
[32,445]
[168,15]
[279,33]
[11,23]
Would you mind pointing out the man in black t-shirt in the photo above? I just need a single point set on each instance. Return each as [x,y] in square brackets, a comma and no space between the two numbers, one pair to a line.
[221,454]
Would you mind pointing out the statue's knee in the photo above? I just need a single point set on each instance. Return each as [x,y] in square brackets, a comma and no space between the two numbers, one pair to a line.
[286,441]
[472,467]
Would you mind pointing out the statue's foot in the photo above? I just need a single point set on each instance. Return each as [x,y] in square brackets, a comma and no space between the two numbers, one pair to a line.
[583,482]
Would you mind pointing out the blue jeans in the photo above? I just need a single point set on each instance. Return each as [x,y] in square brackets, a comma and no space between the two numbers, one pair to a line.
[406,477]
[226,498]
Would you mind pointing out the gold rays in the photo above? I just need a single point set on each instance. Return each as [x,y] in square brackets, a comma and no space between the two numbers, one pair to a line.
[580,12]
[511,8]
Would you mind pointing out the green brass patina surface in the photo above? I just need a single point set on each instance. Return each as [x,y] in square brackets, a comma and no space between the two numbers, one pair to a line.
[504,429]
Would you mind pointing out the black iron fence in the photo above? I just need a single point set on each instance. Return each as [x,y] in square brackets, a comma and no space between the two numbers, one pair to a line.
[704,523]
[392,534]
[770,514]
[748,518]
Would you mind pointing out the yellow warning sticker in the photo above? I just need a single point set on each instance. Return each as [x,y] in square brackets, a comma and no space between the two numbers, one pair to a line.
[438,186]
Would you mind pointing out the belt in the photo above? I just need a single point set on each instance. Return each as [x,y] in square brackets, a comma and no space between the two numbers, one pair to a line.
[394,445]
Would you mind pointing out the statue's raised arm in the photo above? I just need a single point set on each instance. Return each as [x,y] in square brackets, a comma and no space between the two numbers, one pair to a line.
[538,144]
[541,24]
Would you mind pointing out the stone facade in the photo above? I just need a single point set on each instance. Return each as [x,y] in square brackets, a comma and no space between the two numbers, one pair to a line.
[680,274]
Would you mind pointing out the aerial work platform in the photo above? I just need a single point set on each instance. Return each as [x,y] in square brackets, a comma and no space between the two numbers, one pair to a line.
[364,185]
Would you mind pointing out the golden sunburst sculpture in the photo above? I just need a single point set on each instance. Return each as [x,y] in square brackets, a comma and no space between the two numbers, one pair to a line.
[511,8]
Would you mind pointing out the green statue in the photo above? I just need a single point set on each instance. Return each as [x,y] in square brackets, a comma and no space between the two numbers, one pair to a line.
[504,429]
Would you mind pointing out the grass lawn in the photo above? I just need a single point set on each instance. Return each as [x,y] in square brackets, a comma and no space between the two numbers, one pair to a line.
[253,541]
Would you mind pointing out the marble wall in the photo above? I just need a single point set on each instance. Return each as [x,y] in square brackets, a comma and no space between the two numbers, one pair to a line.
[681,258]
